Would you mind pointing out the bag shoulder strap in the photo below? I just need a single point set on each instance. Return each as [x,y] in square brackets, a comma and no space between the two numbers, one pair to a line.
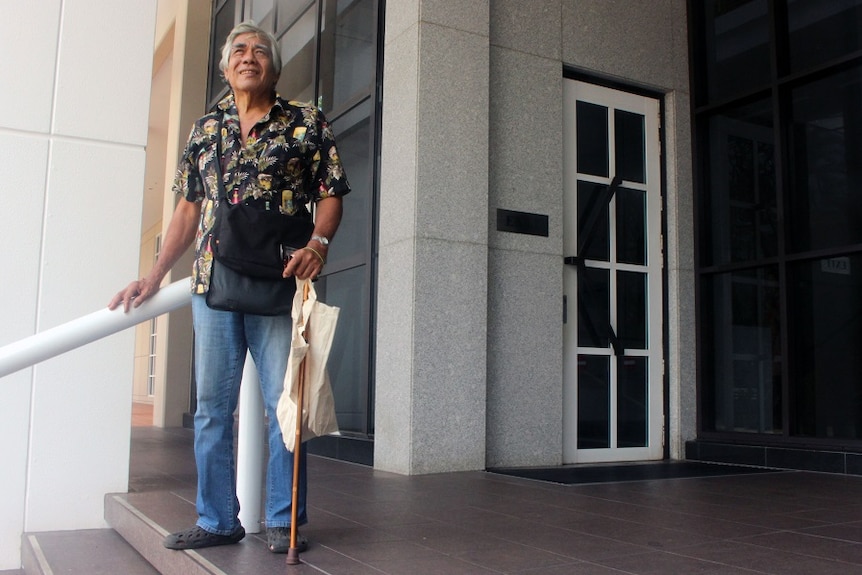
[219,177]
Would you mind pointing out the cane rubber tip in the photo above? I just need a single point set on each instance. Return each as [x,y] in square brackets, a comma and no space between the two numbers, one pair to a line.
[293,556]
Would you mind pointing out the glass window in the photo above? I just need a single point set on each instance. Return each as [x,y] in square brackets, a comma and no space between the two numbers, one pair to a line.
[289,11]
[779,202]
[594,303]
[631,226]
[735,45]
[833,26]
[348,358]
[353,135]
[739,217]
[347,51]
[594,399]
[592,139]
[742,370]
[298,50]
[826,163]
[824,343]
[632,402]
[261,13]
[224,21]
[630,144]
[632,309]
[593,221]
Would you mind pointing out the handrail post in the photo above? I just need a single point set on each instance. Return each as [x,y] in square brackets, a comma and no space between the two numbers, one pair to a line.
[250,441]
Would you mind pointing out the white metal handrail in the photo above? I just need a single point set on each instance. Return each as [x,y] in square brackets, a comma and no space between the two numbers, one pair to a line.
[87,329]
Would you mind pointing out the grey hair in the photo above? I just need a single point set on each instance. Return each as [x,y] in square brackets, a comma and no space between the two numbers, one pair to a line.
[249,27]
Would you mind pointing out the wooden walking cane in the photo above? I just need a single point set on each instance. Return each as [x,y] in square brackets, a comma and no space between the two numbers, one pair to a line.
[293,552]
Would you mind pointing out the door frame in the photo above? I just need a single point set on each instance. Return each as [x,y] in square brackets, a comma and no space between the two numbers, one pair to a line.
[658,411]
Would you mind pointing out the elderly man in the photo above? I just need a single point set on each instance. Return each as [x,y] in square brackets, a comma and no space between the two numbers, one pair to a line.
[282,155]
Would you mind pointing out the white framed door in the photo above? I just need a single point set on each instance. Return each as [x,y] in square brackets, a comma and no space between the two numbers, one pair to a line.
[612,279]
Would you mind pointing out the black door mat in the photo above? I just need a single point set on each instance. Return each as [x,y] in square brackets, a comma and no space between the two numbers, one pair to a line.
[579,474]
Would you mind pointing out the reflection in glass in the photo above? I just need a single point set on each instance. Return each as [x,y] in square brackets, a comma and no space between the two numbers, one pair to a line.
[352,132]
[632,402]
[742,372]
[594,316]
[632,309]
[825,339]
[630,143]
[594,428]
[736,46]
[348,357]
[741,213]
[826,160]
[289,11]
[347,51]
[297,59]
[261,13]
[593,221]
[224,23]
[592,139]
[833,26]
[631,226]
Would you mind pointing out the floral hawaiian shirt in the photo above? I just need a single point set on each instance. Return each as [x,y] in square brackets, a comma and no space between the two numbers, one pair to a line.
[289,160]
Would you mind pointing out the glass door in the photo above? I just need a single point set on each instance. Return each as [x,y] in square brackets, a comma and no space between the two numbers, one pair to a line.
[613,345]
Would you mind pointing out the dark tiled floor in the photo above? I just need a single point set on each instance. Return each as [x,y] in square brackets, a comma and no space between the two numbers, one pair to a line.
[371,522]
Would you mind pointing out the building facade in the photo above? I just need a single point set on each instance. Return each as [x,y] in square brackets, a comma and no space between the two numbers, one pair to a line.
[581,231]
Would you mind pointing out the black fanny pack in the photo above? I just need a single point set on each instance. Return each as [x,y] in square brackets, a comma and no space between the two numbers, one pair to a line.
[254,241]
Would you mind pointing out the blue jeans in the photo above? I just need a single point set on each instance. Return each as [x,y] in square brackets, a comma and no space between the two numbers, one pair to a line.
[221,341]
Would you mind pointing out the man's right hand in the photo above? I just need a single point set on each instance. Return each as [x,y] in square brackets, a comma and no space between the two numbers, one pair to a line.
[134,294]
[179,236]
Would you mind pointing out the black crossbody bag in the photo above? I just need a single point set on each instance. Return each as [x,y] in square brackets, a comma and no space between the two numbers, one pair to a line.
[250,247]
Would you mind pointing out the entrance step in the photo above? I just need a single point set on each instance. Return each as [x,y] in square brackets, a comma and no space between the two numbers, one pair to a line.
[91,551]
[144,519]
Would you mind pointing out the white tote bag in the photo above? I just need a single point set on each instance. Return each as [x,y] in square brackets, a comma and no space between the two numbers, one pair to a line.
[313,330]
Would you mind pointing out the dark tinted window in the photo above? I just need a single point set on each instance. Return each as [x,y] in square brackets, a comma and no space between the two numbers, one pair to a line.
[822,30]
[825,206]
[734,45]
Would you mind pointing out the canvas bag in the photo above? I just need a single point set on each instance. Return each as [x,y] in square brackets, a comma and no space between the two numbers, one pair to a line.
[313,330]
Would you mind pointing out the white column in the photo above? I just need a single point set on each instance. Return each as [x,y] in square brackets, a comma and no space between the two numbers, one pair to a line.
[250,438]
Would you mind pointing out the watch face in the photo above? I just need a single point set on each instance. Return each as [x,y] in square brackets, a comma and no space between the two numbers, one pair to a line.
[321,239]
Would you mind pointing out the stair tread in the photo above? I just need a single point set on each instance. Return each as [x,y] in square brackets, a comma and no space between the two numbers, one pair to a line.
[143,519]
[91,551]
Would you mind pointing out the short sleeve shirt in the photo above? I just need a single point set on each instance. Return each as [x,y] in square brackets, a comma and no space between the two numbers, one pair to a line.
[288,161]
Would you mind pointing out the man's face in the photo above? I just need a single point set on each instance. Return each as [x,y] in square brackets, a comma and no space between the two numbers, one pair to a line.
[249,68]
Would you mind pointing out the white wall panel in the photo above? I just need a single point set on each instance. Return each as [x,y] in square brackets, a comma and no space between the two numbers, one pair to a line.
[103,83]
[82,399]
[22,183]
[22,191]
[28,41]
[92,227]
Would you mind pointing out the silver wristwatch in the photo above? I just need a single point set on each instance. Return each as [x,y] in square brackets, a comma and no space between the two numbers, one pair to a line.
[322,239]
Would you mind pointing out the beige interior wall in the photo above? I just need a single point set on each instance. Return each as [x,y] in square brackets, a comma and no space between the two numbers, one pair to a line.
[142,330]
[178,98]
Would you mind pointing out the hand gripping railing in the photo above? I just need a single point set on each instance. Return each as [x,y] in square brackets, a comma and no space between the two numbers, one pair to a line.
[89,328]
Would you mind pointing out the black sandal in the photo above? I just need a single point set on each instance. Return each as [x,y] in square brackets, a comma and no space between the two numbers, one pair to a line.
[198,538]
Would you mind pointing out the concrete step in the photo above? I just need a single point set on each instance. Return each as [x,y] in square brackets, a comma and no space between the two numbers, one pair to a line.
[144,519]
[145,535]
[90,552]
[133,544]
